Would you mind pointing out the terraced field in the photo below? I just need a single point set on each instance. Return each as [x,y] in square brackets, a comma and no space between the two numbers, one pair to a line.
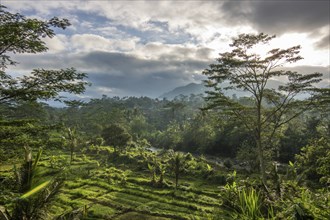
[133,201]
[96,188]
[124,191]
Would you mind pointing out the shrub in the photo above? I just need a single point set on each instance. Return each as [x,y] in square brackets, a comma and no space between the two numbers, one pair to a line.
[227,163]
[314,161]
[218,178]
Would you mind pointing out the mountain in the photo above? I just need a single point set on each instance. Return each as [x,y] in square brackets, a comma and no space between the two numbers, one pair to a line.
[194,88]
[187,90]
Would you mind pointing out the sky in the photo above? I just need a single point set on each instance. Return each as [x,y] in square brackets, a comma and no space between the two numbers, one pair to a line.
[147,48]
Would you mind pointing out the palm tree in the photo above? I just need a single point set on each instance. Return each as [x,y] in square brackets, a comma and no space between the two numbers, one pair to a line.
[72,142]
[177,163]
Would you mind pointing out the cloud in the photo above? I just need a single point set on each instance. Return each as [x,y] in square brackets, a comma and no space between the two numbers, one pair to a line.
[282,17]
[118,74]
[324,43]
[279,16]
[178,52]
[57,44]
[150,47]
[151,16]
[165,21]
[130,75]
[312,69]
[114,73]
[92,42]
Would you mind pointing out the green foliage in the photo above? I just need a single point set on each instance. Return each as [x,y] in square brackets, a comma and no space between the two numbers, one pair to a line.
[243,202]
[227,163]
[199,134]
[35,200]
[116,135]
[152,169]
[113,175]
[139,127]
[301,203]
[58,161]
[249,204]
[101,184]
[171,137]
[177,163]
[98,141]
[35,207]
[294,137]
[19,34]
[27,172]
[268,109]
[313,161]
[35,190]
[248,154]
[16,133]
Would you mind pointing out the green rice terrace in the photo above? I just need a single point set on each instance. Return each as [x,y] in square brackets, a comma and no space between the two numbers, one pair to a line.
[126,186]
[136,183]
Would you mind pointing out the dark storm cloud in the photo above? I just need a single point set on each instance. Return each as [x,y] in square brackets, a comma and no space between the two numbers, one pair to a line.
[119,63]
[277,17]
[136,76]
[118,74]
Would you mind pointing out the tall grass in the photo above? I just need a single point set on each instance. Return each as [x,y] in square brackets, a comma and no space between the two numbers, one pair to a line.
[249,204]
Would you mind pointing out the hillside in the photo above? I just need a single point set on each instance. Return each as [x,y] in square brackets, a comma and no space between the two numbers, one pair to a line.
[192,88]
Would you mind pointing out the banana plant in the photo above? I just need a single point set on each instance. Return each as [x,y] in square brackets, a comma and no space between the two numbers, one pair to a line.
[152,169]
[162,171]
[177,163]
[33,202]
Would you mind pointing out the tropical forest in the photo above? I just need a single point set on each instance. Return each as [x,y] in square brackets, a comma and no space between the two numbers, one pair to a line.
[244,148]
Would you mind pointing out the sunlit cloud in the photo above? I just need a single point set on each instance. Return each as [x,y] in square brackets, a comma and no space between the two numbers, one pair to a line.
[150,47]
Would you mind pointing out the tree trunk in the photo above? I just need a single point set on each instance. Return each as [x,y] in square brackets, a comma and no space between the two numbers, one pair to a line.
[71,156]
[161,179]
[259,145]
[176,179]
[261,161]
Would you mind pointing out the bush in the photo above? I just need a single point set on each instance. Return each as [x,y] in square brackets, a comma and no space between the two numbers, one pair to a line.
[314,161]
[248,154]
[301,203]
[227,163]
[218,178]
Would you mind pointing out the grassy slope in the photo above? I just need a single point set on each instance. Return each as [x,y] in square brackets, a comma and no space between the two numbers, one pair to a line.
[134,198]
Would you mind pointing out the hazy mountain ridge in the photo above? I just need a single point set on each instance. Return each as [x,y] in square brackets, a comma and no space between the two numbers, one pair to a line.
[187,90]
[195,88]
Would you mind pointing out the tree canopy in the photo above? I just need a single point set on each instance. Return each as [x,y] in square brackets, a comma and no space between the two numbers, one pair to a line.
[251,72]
[18,35]
[116,135]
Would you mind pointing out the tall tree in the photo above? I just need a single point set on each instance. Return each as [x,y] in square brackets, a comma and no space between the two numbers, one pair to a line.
[19,34]
[72,141]
[251,72]
[116,135]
